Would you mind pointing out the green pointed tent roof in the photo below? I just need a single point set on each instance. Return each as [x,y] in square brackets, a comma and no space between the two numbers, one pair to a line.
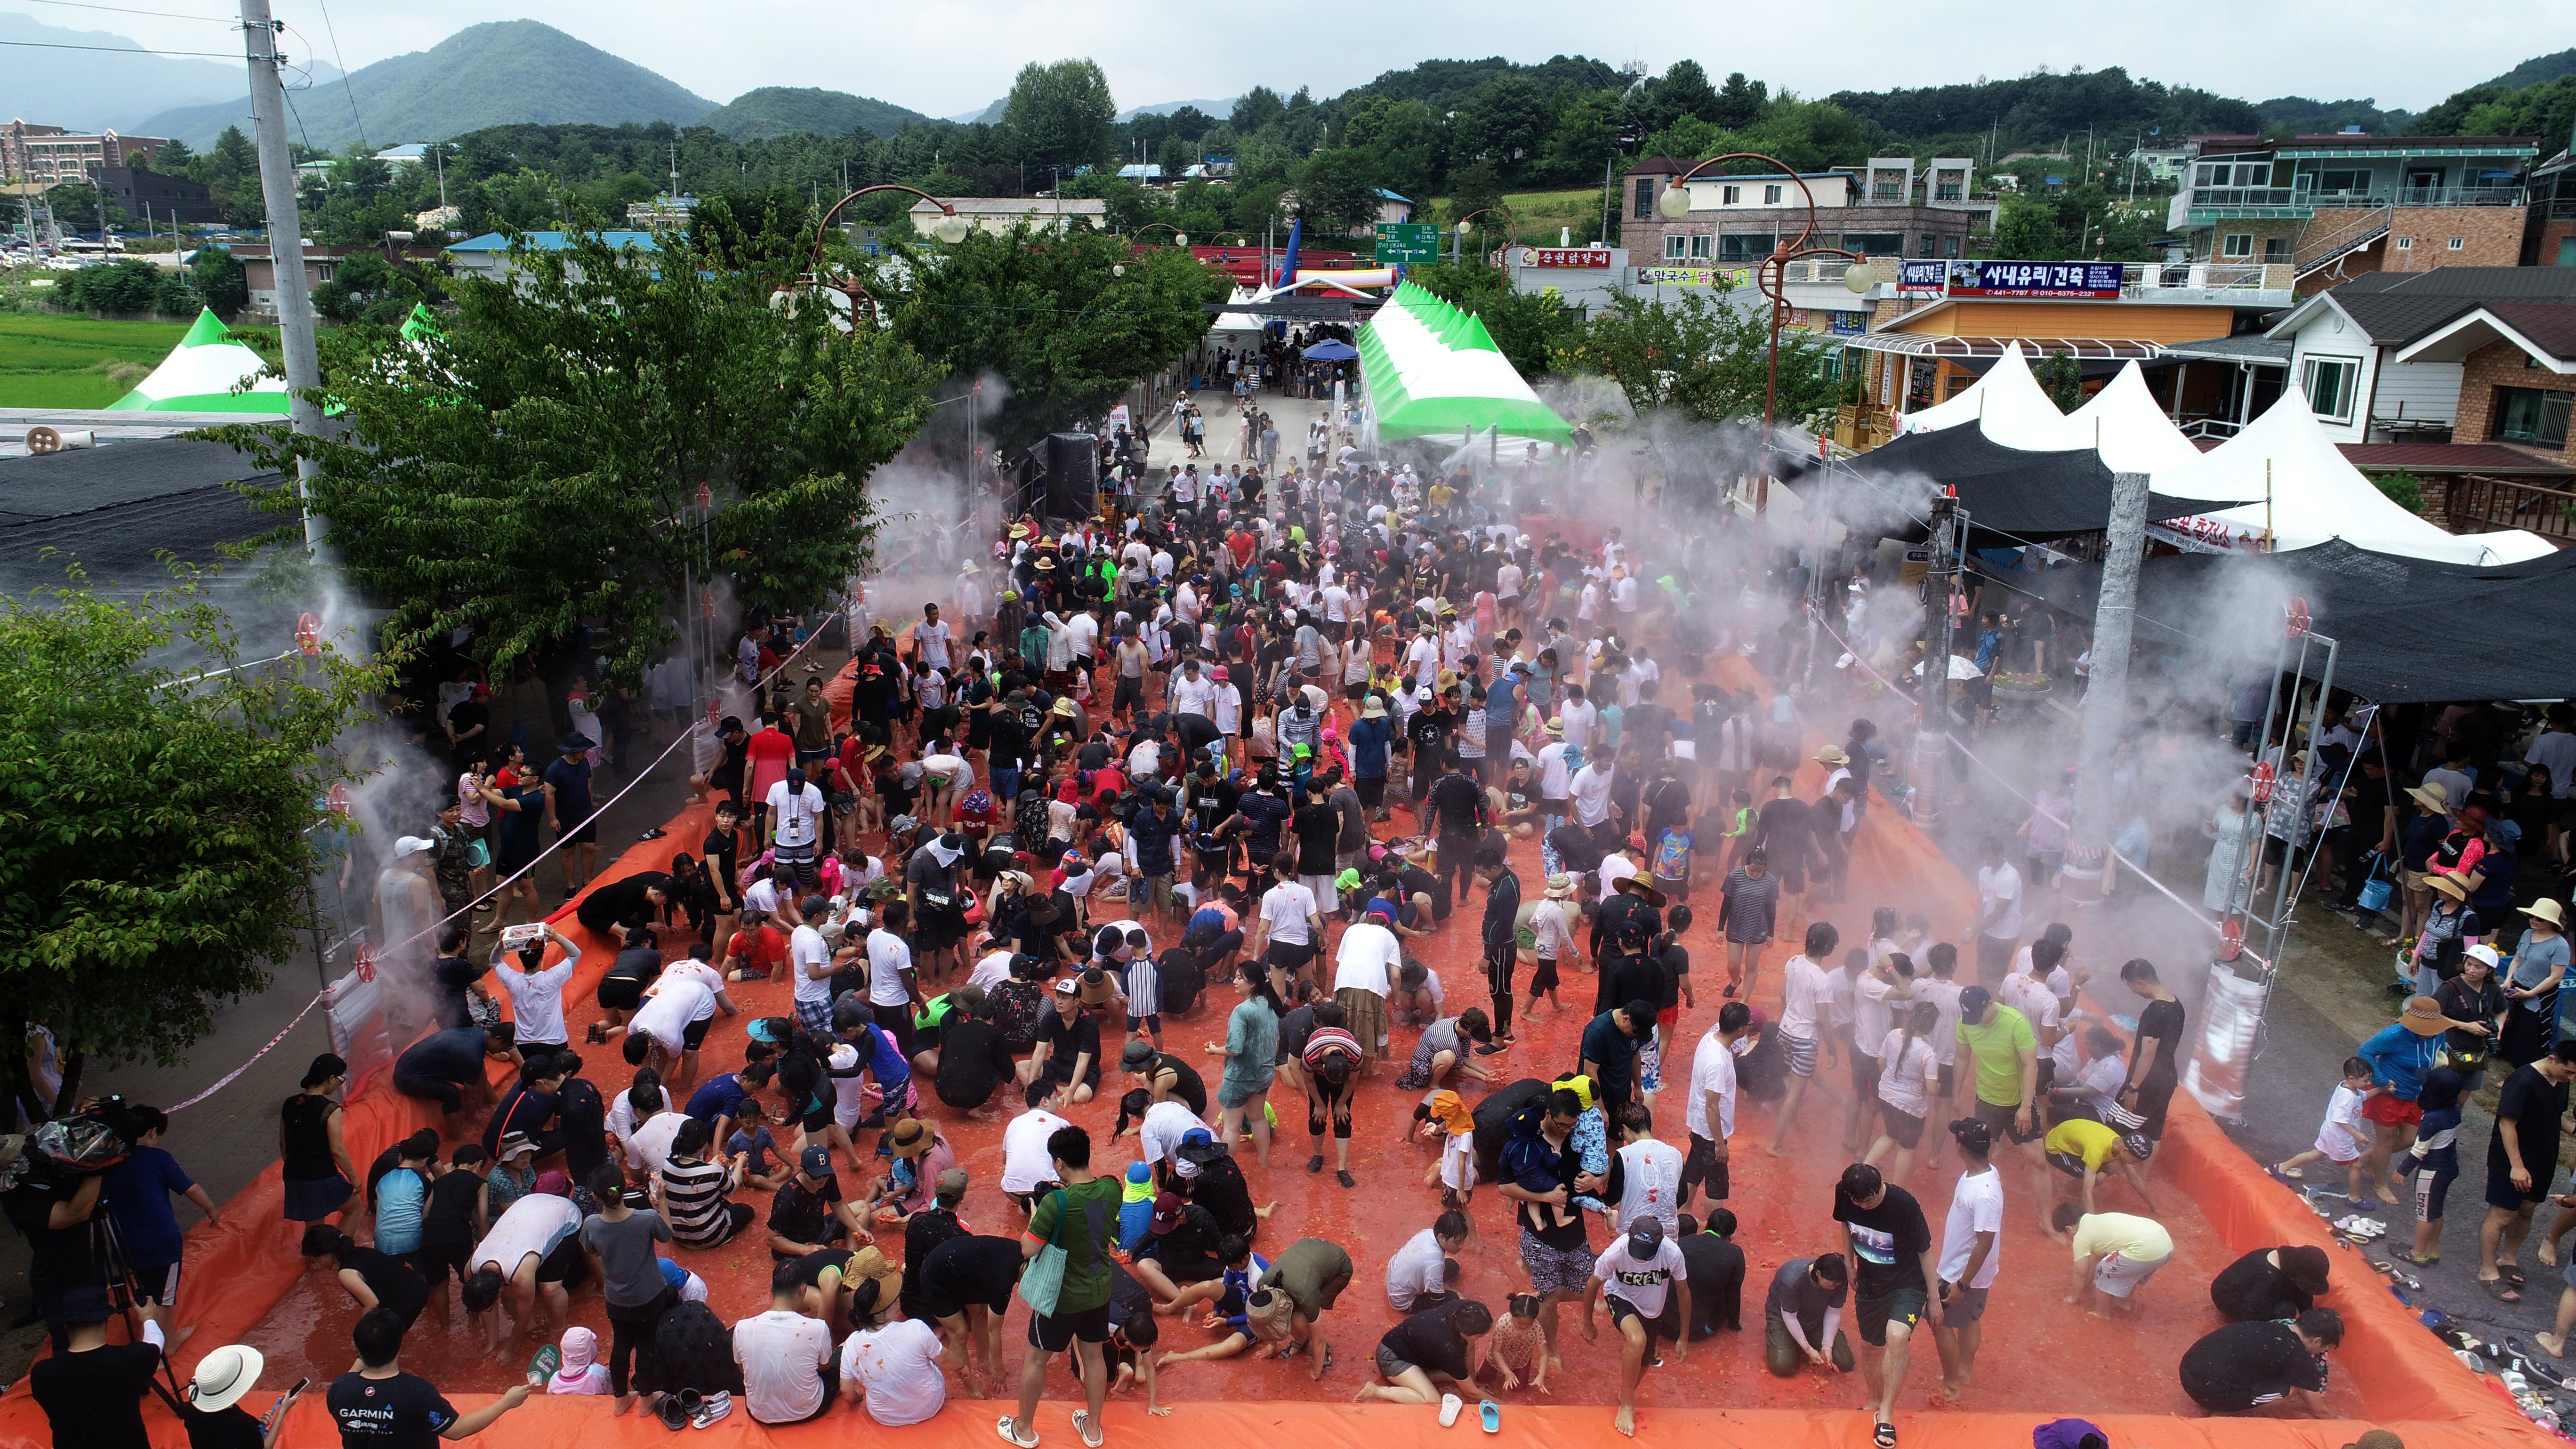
[1432,369]
[208,372]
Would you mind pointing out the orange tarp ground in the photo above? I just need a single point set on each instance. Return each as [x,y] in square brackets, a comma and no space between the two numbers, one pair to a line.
[2037,1352]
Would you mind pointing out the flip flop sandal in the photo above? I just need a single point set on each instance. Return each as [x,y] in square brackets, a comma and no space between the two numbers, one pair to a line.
[2511,1273]
[1450,1404]
[1490,1414]
[1883,1435]
[2501,1290]
[1328,1358]
[2424,1260]
[1088,1428]
[1314,1164]
[2294,1174]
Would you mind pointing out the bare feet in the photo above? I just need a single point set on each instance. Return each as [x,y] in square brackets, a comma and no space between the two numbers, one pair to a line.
[1626,1423]
[2556,1345]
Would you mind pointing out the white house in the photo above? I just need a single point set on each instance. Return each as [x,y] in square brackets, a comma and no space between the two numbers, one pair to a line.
[2344,344]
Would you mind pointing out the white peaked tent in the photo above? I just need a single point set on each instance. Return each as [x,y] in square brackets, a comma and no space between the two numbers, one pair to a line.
[2285,478]
[2131,432]
[2007,400]
[2121,422]
[208,372]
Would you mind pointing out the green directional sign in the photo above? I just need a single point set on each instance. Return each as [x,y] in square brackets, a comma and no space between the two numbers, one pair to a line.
[1408,242]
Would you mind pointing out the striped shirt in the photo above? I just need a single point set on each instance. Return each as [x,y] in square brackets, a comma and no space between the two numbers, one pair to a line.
[1329,1041]
[1144,987]
[693,1198]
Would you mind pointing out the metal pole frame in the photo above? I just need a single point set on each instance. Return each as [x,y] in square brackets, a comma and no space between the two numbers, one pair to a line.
[1932,737]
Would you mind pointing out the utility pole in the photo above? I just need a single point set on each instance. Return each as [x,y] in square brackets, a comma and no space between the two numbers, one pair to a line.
[2106,694]
[1932,739]
[285,246]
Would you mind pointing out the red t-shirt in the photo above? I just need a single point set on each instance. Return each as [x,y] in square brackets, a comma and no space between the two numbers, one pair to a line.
[761,950]
[1241,543]
[769,753]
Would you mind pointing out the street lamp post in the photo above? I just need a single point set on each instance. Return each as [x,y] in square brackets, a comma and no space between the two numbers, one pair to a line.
[1769,275]
[1467,224]
[950,228]
[1180,238]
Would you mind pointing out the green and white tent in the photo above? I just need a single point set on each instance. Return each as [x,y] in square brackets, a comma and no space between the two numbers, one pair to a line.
[208,372]
[1434,371]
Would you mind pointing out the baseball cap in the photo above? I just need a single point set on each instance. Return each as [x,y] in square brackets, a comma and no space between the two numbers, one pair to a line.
[1065,987]
[1647,1237]
[409,845]
[1974,1001]
[1136,1055]
[816,1161]
[1167,1213]
[1972,1135]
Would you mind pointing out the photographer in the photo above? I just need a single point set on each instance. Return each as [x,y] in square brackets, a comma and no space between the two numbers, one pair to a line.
[92,1390]
[52,1206]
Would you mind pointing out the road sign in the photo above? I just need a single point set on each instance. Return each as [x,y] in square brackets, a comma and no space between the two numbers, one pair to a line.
[1407,242]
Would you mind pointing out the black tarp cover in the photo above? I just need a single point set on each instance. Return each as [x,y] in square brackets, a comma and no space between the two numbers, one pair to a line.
[2011,494]
[2411,630]
[113,508]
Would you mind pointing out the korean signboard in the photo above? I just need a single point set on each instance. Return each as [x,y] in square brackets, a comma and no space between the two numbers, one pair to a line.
[2074,280]
[1565,257]
[1408,243]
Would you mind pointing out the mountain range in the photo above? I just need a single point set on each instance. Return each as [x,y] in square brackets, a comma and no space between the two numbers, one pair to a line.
[496,74]
[95,80]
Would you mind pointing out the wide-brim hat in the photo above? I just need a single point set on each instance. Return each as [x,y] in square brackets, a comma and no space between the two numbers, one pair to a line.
[1374,709]
[1096,988]
[2423,1016]
[2449,885]
[2431,796]
[1064,707]
[1832,755]
[912,1138]
[872,1263]
[1019,531]
[1046,563]
[2548,910]
[1559,886]
[1556,729]
[1638,885]
[224,1375]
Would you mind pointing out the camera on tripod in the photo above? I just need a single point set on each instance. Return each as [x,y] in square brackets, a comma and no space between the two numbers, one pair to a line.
[88,1141]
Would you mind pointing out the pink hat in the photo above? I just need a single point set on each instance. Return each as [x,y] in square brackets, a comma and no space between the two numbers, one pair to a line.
[1220,672]
[1331,733]
[555,1183]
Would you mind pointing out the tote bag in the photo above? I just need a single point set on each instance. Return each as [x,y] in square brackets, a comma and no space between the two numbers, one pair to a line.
[1043,1279]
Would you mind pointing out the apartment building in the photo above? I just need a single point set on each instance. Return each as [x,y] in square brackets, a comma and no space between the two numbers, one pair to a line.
[51,155]
[1889,208]
[2338,206]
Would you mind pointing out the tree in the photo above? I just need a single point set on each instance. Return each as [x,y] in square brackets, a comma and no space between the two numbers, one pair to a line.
[1403,136]
[1337,192]
[530,472]
[161,849]
[1532,328]
[1053,318]
[1683,91]
[1061,114]
[1506,122]
[1740,103]
[2026,230]
[1586,136]
[2061,377]
[1707,360]
[218,279]
[1256,108]
[127,286]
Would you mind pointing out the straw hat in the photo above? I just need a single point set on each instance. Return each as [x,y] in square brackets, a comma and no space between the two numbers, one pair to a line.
[912,1138]
[2548,910]
[870,1263]
[224,1376]
[1559,886]
[2431,796]
[1638,885]
[2423,1016]
[1556,729]
[1832,755]
[2449,885]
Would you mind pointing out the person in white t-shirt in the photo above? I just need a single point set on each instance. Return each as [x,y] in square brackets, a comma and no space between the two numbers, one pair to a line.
[1364,971]
[1908,1069]
[1805,989]
[784,1355]
[810,961]
[932,635]
[1026,1164]
[536,989]
[1709,1109]
[1291,927]
[894,1370]
[1417,1274]
[1652,1172]
[1638,1271]
[795,822]
[668,1027]
[1971,1256]
[1998,913]
[513,1258]
[1581,718]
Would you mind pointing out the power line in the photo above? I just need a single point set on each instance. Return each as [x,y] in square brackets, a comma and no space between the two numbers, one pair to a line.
[123,49]
[336,59]
[128,10]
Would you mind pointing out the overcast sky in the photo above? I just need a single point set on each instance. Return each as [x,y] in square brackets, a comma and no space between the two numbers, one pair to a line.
[949,56]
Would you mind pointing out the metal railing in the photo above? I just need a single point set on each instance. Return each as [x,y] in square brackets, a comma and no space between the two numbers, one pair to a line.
[2218,198]
[2476,503]
[2210,428]
[2213,197]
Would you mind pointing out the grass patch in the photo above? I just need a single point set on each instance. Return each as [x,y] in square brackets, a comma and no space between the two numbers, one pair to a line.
[53,360]
[1536,215]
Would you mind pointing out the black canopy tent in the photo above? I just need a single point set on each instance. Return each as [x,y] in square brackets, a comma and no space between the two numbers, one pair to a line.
[2412,630]
[2013,495]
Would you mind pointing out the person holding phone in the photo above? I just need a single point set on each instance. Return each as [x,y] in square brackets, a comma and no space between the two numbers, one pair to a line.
[214,1415]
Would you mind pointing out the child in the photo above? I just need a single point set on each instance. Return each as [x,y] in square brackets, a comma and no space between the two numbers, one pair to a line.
[1672,865]
[1740,838]
[2434,1161]
[1130,1354]
[1519,1348]
[1446,1119]
[1136,1207]
[2343,1135]
[581,1372]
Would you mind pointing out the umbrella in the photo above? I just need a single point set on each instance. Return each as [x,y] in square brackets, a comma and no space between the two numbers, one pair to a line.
[1331,352]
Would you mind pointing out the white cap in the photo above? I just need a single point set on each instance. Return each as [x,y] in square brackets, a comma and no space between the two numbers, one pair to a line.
[413,845]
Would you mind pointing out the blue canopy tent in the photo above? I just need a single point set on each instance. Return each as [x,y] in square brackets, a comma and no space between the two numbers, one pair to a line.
[1330,351]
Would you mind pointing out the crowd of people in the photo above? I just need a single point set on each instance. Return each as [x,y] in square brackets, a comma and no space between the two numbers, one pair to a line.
[1225,753]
